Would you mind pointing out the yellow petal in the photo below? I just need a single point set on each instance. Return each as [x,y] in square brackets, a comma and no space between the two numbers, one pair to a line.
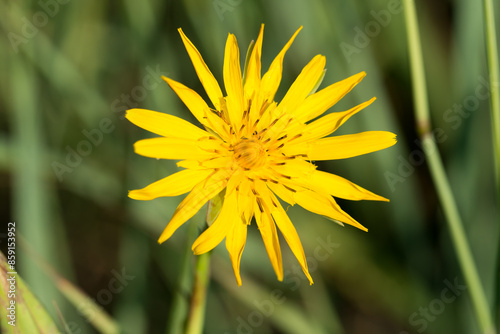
[253,71]
[272,78]
[199,108]
[339,187]
[213,122]
[216,162]
[206,77]
[265,118]
[173,185]
[295,168]
[323,204]
[303,85]
[174,148]
[235,243]
[329,123]
[189,164]
[196,105]
[232,81]
[200,194]
[269,235]
[246,201]
[165,124]
[292,238]
[213,235]
[317,103]
[342,147]
[284,193]
[284,224]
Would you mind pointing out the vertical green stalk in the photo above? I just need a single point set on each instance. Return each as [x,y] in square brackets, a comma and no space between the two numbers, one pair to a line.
[196,316]
[180,304]
[493,69]
[494,77]
[438,174]
[198,299]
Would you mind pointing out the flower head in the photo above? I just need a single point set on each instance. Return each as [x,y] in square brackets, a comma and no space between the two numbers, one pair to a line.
[256,150]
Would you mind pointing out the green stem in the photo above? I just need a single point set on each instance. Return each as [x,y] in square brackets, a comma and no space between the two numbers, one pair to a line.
[462,248]
[494,76]
[438,174]
[180,303]
[493,69]
[198,299]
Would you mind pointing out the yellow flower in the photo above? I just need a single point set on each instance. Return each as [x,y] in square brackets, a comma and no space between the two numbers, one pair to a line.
[256,150]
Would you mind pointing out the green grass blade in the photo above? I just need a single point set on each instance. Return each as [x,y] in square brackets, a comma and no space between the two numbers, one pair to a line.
[423,122]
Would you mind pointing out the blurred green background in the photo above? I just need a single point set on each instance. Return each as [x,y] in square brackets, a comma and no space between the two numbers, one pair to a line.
[69,70]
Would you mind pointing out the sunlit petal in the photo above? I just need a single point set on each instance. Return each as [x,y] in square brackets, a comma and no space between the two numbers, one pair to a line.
[206,77]
[165,124]
[316,104]
[232,81]
[173,185]
[200,194]
[175,148]
[339,187]
[267,229]
[214,234]
[235,243]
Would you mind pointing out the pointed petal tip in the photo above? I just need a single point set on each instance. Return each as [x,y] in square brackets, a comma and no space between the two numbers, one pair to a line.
[165,235]
[137,195]
[163,238]
[311,282]
[375,197]
[181,32]
[359,76]
[358,225]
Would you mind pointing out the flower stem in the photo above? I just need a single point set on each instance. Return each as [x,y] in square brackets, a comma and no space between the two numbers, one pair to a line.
[198,299]
[493,69]
[438,174]
[180,303]
[494,76]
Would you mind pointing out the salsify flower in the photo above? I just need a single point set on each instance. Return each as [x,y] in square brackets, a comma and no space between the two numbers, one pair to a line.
[254,150]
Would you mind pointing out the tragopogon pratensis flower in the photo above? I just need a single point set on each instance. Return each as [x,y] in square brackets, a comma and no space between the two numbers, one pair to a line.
[256,150]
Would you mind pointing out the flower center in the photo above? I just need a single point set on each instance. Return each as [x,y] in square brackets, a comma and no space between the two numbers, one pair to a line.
[249,154]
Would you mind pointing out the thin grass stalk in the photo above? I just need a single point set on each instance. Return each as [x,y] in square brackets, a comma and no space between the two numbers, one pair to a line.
[494,81]
[494,76]
[196,318]
[423,123]
[180,302]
